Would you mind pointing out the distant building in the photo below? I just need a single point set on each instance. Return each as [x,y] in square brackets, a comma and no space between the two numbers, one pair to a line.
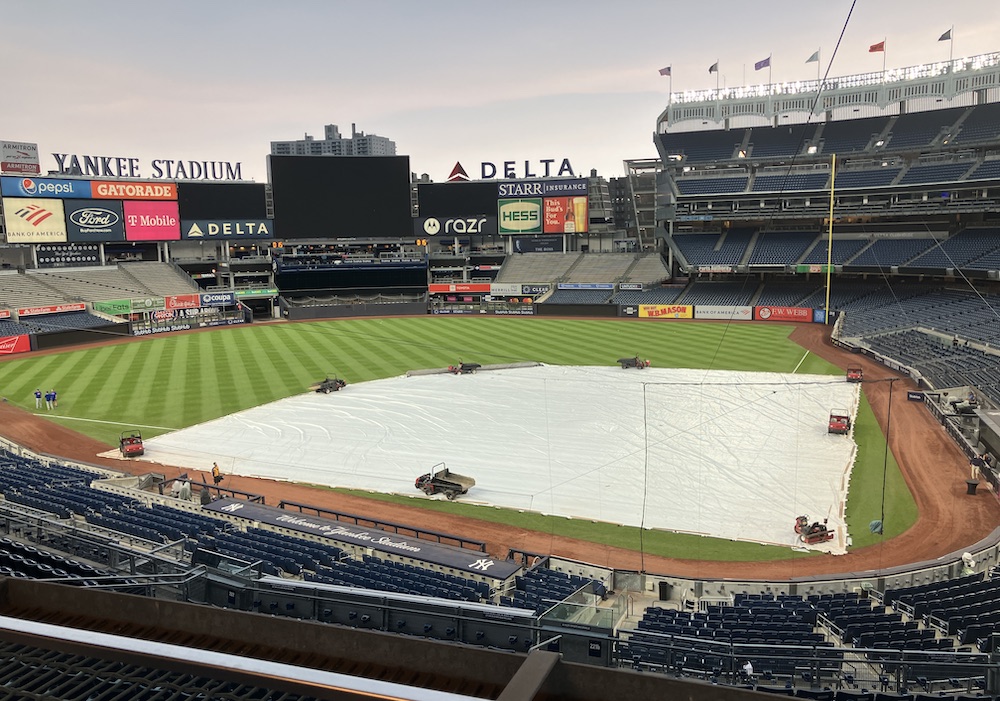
[333,144]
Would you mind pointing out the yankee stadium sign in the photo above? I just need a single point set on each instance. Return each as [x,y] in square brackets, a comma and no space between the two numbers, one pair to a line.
[125,167]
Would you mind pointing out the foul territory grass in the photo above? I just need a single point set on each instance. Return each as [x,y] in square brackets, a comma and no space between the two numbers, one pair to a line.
[170,382]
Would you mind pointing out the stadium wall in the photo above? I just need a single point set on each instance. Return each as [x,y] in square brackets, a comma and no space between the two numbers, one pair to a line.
[61,339]
[344,311]
[599,311]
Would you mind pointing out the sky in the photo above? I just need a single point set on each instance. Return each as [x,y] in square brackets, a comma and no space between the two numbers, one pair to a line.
[447,80]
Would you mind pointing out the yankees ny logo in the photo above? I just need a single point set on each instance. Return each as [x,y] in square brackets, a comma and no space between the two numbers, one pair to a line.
[482,564]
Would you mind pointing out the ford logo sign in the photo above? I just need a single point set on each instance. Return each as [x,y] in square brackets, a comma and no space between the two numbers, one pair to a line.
[91,217]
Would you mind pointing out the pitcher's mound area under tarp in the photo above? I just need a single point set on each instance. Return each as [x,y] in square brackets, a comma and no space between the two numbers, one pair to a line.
[728,454]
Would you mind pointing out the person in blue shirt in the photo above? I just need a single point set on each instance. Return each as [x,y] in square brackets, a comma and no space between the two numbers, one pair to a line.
[38,398]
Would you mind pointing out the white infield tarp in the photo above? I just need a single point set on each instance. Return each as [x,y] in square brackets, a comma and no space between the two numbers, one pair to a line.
[728,454]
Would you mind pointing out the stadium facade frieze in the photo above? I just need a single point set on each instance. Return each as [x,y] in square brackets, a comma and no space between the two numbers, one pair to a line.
[156,168]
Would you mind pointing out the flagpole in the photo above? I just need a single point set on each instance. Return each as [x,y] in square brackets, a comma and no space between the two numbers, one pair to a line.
[670,88]
[819,62]
[718,74]
[769,72]
[951,45]
[884,52]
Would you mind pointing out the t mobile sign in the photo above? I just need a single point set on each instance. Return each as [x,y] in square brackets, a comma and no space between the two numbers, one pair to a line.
[152,221]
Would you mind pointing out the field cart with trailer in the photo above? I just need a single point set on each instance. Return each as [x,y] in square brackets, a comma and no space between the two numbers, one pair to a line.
[634,362]
[812,533]
[444,481]
[130,444]
[855,373]
[464,368]
[329,385]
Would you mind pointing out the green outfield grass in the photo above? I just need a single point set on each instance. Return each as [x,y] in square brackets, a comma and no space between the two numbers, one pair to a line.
[170,382]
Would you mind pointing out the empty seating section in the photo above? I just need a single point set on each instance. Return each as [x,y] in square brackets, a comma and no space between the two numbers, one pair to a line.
[649,268]
[64,321]
[791,181]
[720,293]
[700,249]
[770,142]
[711,186]
[843,294]
[884,253]
[658,295]
[161,279]
[385,575]
[26,561]
[876,177]
[85,284]
[987,170]
[274,550]
[982,124]
[841,251]
[912,131]
[941,363]
[541,589]
[600,267]
[965,246]
[536,267]
[780,247]
[20,290]
[938,173]
[851,136]
[579,297]
[967,607]
[702,147]
[864,626]
[13,328]
[786,294]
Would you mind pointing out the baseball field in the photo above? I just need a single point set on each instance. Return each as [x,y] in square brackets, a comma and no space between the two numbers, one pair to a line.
[165,383]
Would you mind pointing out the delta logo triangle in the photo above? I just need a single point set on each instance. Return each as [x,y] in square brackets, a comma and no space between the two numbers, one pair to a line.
[458,174]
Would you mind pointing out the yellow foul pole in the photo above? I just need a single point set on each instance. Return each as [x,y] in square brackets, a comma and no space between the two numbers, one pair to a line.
[829,243]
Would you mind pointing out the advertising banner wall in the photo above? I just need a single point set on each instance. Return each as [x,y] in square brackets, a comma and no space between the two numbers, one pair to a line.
[152,221]
[218,299]
[147,304]
[702,311]
[630,286]
[15,344]
[455,226]
[531,288]
[783,313]
[94,220]
[51,309]
[439,288]
[44,187]
[115,307]
[665,311]
[538,244]
[182,301]
[520,216]
[19,157]
[586,286]
[505,288]
[819,316]
[113,190]
[4,313]
[34,220]
[227,229]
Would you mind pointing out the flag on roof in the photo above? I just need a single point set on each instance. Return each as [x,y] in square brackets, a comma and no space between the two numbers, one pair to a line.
[814,58]
[946,36]
[764,63]
[665,71]
[875,48]
[714,68]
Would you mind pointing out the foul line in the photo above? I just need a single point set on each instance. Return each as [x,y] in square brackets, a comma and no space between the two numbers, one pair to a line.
[99,421]
[804,356]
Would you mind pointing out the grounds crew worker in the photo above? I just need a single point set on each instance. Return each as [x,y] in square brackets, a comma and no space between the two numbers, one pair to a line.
[216,472]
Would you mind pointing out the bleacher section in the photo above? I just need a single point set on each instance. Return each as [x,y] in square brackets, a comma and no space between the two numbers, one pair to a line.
[600,267]
[780,247]
[85,284]
[540,589]
[920,129]
[656,295]
[20,290]
[64,321]
[988,170]
[720,293]
[536,267]
[579,297]
[702,147]
[842,251]
[965,246]
[850,136]
[777,142]
[937,173]
[786,293]
[711,186]
[649,268]
[161,279]
[700,249]
[885,253]
[790,182]
[982,125]
[878,177]
[386,575]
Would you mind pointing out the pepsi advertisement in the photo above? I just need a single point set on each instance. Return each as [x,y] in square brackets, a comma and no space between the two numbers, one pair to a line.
[95,220]
[44,187]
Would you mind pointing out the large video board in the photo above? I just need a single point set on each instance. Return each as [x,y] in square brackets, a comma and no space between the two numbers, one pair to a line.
[222,201]
[543,207]
[336,197]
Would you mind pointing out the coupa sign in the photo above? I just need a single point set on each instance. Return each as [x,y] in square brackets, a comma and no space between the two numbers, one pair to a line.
[218,299]
[451,226]
[521,216]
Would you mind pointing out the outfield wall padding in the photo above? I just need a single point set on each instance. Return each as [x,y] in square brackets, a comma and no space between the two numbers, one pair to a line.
[339,311]
[76,337]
